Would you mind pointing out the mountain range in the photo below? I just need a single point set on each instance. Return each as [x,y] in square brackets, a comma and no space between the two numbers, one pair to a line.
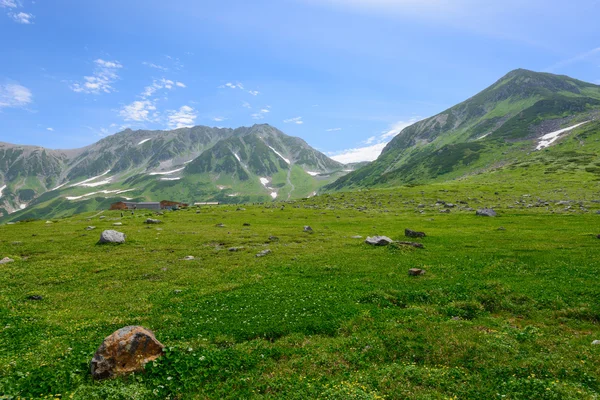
[547,125]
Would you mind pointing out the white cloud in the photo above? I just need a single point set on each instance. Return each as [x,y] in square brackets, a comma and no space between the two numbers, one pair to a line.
[245,104]
[14,95]
[219,119]
[8,4]
[180,84]
[375,144]
[182,118]
[232,86]
[368,153]
[155,66]
[105,74]
[254,92]
[158,85]
[22,18]
[261,113]
[333,130]
[296,120]
[143,110]
[50,129]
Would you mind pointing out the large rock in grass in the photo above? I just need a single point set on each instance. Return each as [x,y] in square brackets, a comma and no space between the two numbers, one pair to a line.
[153,221]
[486,212]
[379,241]
[111,236]
[413,234]
[6,260]
[125,351]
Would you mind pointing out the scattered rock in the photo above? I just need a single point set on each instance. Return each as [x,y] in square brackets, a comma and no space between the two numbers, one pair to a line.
[111,236]
[598,236]
[445,211]
[596,342]
[49,222]
[188,258]
[486,212]
[235,248]
[118,224]
[16,243]
[102,217]
[416,272]
[177,291]
[35,297]
[356,237]
[90,228]
[6,260]
[220,225]
[153,221]
[501,228]
[308,229]
[263,253]
[412,244]
[273,238]
[456,318]
[125,351]
[246,224]
[379,241]
[413,234]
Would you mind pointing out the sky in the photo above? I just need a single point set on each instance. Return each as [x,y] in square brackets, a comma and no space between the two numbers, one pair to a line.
[344,75]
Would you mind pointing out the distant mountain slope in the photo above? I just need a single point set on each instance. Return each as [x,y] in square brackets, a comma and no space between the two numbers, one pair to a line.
[511,115]
[258,163]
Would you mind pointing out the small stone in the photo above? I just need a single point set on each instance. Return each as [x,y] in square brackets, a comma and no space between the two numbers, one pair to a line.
[177,291]
[188,258]
[445,211]
[486,212]
[35,297]
[596,342]
[16,243]
[379,241]
[308,229]
[246,224]
[502,228]
[118,224]
[49,222]
[102,217]
[6,260]
[220,225]
[90,228]
[413,234]
[263,253]
[356,237]
[411,244]
[233,249]
[273,238]
[456,318]
[125,351]
[153,221]
[416,272]
[111,236]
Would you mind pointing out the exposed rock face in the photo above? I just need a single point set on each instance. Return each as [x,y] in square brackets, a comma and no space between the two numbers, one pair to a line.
[111,236]
[153,221]
[125,351]
[486,212]
[413,234]
[379,241]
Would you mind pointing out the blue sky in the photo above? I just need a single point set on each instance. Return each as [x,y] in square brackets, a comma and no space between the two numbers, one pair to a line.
[345,75]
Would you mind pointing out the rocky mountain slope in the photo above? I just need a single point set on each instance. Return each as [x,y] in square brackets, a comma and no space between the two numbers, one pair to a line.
[258,163]
[523,113]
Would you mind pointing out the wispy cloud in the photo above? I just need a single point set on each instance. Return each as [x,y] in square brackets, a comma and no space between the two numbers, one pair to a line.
[155,66]
[232,86]
[182,118]
[219,119]
[22,18]
[180,84]
[296,120]
[139,111]
[333,130]
[374,145]
[105,74]
[254,92]
[245,104]
[8,4]
[50,129]
[261,113]
[14,95]
[575,59]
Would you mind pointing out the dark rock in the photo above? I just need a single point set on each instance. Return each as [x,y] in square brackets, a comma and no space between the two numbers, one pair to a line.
[235,248]
[220,225]
[379,241]
[411,244]
[308,229]
[153,221]
[445,211]
[35,297]
[125,351]
[111,236]
[413,234]
[416,272]
[486,212]
[246,224]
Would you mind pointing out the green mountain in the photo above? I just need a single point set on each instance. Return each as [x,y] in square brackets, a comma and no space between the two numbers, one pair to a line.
[248,164]
[504,125]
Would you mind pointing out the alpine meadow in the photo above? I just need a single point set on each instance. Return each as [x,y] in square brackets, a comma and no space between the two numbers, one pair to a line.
[325,240]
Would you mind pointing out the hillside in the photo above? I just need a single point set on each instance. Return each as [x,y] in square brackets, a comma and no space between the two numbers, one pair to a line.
[504,122]
[248,164]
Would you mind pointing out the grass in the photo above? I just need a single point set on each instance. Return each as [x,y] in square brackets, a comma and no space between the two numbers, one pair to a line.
[507,314]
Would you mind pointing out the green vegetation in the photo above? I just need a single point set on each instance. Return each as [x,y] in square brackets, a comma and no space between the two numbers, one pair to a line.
[501,313]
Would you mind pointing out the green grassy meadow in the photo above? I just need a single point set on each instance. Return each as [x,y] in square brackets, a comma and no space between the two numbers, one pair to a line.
[508,308]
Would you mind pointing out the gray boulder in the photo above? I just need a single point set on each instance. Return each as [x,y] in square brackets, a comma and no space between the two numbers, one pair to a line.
[6,260]
[486,212]
[379,241]
[308,229]
[111,236]
[413,234]
[263,253]
[153,221]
